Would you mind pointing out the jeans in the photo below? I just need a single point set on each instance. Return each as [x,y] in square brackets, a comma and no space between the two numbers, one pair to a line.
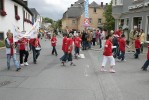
[16,63]
[122,55]
[100,43]
[142,47]
[146,64]
[67,56]
[36,53]
[63,57]
[77,50]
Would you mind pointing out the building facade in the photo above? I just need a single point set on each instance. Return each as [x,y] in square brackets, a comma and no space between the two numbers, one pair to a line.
[14,12]
[130,13]
[74,17]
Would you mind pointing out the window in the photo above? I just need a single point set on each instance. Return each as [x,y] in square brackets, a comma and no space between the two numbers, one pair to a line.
[99,20]
[1,5]
[26,15]
[1,36]
[73,21]
[127,21]
[90,20]
[16,10]
[94,9]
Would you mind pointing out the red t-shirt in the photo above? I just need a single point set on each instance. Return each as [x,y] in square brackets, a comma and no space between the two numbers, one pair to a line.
[108,48]
[64,44]
[69,46]
[77,42]
[122,45]
[137,44]
[53,41]
[22,43]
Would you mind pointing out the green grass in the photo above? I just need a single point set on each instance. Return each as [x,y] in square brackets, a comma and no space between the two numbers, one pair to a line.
[2,43]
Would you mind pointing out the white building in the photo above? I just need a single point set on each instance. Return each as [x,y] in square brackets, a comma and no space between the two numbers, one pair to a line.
[14,12]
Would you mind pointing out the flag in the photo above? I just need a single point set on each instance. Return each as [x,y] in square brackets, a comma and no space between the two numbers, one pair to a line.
[17,34]
[34,31]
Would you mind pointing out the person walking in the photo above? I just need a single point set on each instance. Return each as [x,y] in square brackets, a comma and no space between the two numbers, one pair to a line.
[107,55]
[77,44]
[146,64]
[53,44]
[122,45]
[23,51]
[137,47]
[68,49]
[11,51]
[64,43]
[36,47]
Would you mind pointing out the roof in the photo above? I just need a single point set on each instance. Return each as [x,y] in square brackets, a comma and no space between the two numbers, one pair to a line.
[24,5]
[94,4]
[34,11]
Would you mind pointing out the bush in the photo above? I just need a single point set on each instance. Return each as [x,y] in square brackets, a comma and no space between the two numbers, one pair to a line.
[2,43]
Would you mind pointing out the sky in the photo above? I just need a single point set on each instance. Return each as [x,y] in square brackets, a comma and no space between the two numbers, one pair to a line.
[54,9]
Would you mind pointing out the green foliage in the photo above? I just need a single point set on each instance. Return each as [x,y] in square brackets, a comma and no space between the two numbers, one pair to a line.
[2,43]
[110,21]
[48,20]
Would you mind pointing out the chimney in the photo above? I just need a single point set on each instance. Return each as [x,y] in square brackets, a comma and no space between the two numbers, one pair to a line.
[26,2]
[102,4]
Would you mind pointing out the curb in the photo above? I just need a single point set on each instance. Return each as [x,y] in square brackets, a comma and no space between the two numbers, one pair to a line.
[2,48]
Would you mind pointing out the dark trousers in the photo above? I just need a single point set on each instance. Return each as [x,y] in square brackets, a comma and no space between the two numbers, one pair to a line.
[67,56]
[84,45]
[146,64]
[22,54]
[100,43]
[94,40]
[77,50]
[122,55]
[36,54]
[54,50]
[141,48]
[116,51]
[137,53]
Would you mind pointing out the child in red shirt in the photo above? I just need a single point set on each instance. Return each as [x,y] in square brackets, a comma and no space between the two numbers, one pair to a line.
[145,66]
[137,46]
[53,43]
[77,44]
[107,54]
[122,45]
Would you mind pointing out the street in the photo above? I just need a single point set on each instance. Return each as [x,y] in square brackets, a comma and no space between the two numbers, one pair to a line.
[48,80]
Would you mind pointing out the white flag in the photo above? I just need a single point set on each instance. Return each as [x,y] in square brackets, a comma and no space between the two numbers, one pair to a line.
[34,30]
[17,35]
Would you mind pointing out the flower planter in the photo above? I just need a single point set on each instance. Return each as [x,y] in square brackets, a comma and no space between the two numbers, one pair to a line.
[17,17]
[3,13]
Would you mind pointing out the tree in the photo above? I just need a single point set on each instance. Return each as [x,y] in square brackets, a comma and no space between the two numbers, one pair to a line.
[110,21]
[47,20]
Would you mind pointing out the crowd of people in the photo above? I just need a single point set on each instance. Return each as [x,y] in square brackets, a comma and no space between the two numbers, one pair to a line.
[113,45]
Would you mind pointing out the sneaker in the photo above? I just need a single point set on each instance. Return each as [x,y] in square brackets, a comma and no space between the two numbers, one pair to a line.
[72,64]
[112,71]
[103,70]
[125,60]
[26,64]
[21,65]
[63,63]
[18,69]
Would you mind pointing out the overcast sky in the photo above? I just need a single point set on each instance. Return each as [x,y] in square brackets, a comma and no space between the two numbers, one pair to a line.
[54,9]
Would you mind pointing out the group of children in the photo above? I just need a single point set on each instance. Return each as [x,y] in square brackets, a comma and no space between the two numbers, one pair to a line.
[23,47]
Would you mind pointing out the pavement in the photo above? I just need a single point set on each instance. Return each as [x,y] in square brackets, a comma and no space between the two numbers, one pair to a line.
[48,80]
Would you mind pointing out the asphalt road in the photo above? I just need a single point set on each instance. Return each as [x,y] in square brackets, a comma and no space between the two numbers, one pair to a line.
[48,80]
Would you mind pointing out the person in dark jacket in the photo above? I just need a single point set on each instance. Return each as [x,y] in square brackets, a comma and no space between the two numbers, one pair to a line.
[145,66]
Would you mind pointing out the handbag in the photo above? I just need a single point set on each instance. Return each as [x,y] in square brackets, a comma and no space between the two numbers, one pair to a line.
[38,48]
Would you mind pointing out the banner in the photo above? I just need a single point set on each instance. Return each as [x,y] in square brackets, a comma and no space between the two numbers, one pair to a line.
[86,20]
[34,31]
[17,34]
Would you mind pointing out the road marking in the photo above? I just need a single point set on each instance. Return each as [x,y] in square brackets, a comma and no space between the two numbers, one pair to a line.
[82,56]
[86,70]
